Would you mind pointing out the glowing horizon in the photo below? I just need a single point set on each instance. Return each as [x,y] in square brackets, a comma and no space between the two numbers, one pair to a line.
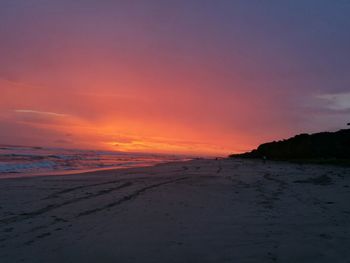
[191,77]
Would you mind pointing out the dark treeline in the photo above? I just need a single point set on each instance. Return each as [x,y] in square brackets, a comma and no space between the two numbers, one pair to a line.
[324,145]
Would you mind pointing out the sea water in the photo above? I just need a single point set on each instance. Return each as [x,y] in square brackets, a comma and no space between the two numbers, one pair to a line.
[18,161]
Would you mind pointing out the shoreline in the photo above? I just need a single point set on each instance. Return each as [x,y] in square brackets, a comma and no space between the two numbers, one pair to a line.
[195,211]
[81,172]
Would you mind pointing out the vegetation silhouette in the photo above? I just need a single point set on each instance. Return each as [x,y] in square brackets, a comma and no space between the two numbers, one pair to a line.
[327,147]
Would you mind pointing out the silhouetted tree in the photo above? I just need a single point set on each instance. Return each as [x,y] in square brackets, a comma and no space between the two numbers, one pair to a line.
[306,146]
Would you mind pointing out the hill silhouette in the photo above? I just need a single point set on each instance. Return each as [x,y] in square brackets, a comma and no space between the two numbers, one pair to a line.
[317,146]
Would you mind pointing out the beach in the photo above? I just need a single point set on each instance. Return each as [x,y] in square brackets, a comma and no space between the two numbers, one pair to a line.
[204,210]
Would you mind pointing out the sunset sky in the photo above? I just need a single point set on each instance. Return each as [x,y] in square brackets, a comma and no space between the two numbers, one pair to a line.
[173,76]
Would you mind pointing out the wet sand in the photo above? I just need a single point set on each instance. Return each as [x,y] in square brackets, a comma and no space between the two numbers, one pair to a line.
[196,211]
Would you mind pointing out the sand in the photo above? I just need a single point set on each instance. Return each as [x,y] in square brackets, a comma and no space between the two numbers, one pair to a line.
[196,211]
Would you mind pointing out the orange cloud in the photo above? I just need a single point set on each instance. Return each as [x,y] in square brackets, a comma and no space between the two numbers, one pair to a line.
[164,121]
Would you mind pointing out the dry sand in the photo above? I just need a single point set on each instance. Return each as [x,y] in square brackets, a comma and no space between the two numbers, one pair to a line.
[197,211]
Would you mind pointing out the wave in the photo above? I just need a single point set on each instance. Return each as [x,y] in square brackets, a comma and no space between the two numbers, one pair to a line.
[20,167]
[38,160]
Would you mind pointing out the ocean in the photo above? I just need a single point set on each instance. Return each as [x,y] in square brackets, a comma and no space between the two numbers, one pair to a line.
[21,161]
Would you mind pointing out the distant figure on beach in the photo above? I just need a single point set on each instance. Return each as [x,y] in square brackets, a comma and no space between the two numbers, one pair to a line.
[264,158]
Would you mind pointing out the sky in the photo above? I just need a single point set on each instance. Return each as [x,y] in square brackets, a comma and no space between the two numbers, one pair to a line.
[173,76]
